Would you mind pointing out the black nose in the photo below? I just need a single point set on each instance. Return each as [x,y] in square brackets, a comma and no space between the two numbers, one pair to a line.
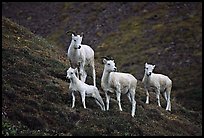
[79,47]
[115,69]
[149,74]
[68,80]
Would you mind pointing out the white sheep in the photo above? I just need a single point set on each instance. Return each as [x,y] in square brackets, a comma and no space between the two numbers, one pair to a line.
[160,82]
[121,83]
[80,56]
[83,88]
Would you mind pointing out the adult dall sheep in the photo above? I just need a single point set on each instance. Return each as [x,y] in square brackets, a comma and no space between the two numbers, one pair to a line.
[120,83]
[84,89]
[80,56]
[160,82]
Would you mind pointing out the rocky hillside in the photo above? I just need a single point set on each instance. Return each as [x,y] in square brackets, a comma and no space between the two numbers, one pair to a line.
[35,93]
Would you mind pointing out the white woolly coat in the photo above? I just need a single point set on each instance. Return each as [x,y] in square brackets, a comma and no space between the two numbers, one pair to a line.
[157,81]
[118,80]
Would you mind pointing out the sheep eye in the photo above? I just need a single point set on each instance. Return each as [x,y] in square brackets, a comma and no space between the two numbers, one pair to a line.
[71,72]
[109,64]
[146,68]
[74,40]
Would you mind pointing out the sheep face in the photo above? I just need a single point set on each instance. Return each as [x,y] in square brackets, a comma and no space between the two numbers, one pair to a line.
[71,73]
[109,65]
[76,40]
[149,69]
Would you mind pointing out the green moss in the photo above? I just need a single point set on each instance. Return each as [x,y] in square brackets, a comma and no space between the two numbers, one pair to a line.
[8,129]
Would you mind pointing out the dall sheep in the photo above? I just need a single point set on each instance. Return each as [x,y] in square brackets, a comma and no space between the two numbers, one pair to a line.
[121,83]
[83,88]
[80,56]
[160,82]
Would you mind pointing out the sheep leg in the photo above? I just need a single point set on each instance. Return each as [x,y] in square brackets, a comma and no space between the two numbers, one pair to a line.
[73,100]
[94,74]
[83,99]
[107,101]
[147,96]
[158,98]
[165,95]
[128,95]
[84,75]
[100,104]
[133,102]
[118,94]
[168,107]
[82,72]
[99,100]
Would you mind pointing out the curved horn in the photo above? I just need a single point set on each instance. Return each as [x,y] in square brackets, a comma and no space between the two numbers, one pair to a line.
[105,58]
[111,58]
[108,57]
[67,32]
[102,61]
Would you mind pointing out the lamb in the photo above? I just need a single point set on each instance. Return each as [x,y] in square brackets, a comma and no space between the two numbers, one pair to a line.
[160,82]
[121,83]
[84,89]
[80,56]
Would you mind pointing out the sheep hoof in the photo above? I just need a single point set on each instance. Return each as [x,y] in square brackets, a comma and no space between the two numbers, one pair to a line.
[168,110]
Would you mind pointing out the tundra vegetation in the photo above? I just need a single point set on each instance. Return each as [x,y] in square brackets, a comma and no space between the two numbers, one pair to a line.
[35,97]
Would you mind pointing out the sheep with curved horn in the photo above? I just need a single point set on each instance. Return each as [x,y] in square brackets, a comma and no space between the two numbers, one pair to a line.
[80,56]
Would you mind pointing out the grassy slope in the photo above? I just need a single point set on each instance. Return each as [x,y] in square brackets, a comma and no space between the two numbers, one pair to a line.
[168,35]
[36,101]
[171,38]
[33,73]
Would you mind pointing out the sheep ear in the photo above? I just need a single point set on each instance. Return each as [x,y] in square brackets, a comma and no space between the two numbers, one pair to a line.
[153,66]
[145,64]
[76,70]
[104,61]
[72,35]
[82,34]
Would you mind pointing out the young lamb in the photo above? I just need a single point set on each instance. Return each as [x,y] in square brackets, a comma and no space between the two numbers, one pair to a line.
[160,82]
[121,83]
[84,89]
[80,56]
